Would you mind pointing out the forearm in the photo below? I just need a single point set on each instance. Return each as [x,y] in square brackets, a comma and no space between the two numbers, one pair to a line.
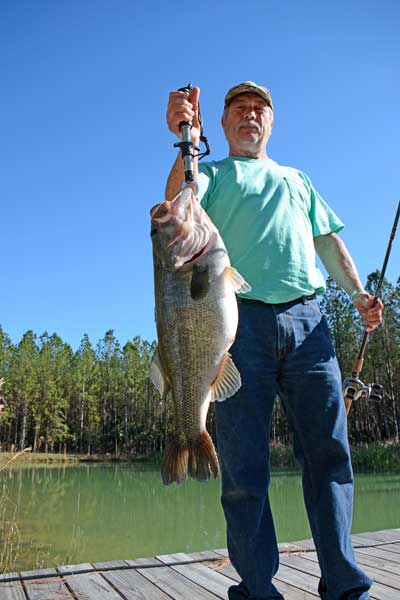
[176,177]
[338,262]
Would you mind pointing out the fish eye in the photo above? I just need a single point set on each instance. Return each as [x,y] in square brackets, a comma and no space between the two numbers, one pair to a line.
[153,232]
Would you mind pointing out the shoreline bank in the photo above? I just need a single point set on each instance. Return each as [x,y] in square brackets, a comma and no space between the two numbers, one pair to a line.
[374,457]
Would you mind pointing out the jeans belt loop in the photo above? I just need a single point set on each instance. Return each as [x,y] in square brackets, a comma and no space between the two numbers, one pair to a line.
[306,299]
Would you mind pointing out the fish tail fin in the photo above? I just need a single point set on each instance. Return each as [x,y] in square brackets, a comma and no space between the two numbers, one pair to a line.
[174,465]
[199,460]
[203,461]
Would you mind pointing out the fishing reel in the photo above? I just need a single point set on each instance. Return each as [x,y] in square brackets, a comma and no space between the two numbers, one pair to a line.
[355,389]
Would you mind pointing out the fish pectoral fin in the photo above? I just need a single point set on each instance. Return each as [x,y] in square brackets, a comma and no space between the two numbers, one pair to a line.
[227,381]
[200,283]
[236,280]
[157,375]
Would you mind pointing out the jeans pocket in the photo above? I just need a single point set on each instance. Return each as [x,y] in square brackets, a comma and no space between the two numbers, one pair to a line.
[314,305]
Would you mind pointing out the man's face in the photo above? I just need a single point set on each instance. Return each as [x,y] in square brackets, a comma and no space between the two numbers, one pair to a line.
[247,124]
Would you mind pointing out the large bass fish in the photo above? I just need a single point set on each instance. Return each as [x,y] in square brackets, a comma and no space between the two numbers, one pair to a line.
[196,315]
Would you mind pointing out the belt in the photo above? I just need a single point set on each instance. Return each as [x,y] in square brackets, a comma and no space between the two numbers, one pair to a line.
[302,299]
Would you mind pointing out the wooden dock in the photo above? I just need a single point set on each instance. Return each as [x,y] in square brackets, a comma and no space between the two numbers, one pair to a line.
[202,575]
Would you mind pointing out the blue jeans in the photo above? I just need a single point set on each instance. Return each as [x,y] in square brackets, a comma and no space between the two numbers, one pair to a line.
[286,349]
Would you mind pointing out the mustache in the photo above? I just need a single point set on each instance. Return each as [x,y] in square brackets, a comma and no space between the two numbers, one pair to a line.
[250,124]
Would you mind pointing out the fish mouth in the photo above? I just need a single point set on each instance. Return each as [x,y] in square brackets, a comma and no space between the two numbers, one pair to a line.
[196,256]
[200,252]
[184,231]
[161,212]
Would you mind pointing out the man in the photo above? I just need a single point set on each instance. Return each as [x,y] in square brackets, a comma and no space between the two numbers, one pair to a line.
[272,220]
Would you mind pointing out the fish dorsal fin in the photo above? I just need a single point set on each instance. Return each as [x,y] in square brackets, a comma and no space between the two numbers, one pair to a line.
[227,381]
[236,280]
[157,375]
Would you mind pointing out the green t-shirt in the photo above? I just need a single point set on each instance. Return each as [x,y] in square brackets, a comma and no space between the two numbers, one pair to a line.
[267,215]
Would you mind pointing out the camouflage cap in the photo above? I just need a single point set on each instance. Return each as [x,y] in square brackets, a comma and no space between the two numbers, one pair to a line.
[249,87]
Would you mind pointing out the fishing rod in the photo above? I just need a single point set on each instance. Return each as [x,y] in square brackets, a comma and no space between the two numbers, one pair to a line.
[186,145]
[353,387]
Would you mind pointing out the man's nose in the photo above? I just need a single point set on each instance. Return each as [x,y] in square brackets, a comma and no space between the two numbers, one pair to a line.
[250,113]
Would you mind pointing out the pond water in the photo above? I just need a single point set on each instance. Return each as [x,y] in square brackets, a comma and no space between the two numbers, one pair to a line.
[72,514]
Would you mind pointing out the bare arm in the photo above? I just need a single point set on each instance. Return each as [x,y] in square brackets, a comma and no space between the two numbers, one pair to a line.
[338,262]
[340,266]
[182,108]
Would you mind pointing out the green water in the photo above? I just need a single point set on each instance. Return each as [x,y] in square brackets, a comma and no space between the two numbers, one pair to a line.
[105,512]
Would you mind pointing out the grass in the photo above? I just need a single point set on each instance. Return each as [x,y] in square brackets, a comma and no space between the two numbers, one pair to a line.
[382,458]
[9,533]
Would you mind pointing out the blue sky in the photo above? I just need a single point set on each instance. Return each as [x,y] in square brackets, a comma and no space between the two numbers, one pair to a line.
[85,152]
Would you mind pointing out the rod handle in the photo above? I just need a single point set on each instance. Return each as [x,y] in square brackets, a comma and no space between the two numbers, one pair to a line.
[347,403]
[358,365]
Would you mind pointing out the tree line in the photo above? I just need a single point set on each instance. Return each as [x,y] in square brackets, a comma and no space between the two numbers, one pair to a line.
[101,400]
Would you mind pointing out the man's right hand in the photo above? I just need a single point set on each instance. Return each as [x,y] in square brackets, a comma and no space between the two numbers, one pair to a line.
[182,107]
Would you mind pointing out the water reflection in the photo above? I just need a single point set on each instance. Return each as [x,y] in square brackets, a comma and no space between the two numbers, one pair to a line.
[108,512]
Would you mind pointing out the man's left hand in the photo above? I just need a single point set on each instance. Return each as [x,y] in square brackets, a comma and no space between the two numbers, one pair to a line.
[372,314]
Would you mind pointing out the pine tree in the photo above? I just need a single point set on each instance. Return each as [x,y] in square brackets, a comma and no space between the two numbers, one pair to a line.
[84,419]
[110,393]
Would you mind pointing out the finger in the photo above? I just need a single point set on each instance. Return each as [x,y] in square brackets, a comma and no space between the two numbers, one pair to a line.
[178,116]
[194,97]
[194,100]
[180,104]
[373,323]
[178,94]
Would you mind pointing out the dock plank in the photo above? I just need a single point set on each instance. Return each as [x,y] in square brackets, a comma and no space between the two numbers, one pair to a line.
[386,578]
[203,575]
[43,589]
[290,592]
[134,586]
[40,573]
[359,540]
[303,581]
[381,552]
[383,592]
[389,535]
[12,591]
[144,562]
[110,565]
[75,569]
[386,566]
[169,559]
[91,586]
[12,576]
[300,563]
[215,582]
[379,589]
[205,555]
[175,585]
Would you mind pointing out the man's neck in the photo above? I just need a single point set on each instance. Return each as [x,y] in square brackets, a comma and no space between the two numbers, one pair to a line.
[259,154]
